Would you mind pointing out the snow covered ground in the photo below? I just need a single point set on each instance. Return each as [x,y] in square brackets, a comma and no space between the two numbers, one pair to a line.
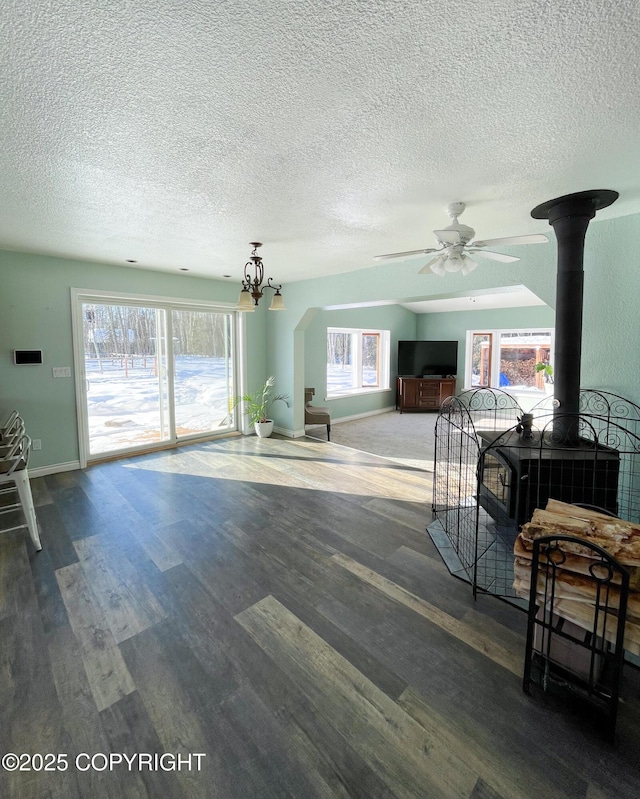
[128,404]
[129,407]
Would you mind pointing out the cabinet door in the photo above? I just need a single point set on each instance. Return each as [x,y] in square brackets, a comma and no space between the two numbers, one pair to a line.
[447,389]
[410,393]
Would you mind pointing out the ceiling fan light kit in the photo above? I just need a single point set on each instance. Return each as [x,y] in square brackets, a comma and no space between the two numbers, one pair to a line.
[456,242]
[253,286]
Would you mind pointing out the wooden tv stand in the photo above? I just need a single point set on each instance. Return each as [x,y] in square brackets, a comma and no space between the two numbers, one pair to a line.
[423,393]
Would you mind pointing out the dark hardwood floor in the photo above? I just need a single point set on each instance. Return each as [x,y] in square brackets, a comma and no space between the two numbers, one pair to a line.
[277,607]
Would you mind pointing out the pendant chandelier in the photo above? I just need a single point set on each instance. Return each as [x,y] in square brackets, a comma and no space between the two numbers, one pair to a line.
[252,284]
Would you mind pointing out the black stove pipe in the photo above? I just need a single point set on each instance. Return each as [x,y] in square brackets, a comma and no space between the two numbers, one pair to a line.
[570,216]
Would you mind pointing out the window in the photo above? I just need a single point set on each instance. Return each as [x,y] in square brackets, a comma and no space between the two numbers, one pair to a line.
[509,359]
[357,361]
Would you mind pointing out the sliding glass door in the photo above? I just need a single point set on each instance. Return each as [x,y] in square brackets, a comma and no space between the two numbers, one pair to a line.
[203,371]
[151,374]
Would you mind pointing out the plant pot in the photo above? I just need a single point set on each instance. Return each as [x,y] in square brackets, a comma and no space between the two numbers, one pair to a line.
[264,429]
[548,389]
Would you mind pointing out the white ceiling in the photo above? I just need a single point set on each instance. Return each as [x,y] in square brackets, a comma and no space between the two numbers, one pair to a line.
[174,134]
[508,297]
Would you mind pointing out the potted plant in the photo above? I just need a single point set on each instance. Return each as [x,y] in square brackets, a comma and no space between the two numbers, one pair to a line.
[256,407]
[547,374]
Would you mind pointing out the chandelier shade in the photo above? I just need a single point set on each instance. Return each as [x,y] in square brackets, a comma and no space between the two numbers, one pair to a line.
[245,302]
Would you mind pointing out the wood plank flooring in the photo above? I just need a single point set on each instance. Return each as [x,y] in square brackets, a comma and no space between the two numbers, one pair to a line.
[276,606]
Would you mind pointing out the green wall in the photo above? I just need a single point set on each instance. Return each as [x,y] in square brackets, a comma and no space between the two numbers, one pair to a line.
[35,313]
[610,354]
[403,324]
[379,285]
[398,320]
[454,326]
[610,351]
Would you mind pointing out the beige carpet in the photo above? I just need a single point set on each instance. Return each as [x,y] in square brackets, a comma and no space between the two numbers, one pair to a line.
[407,438]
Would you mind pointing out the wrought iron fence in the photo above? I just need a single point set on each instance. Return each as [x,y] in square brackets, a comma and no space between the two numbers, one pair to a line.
[491,472]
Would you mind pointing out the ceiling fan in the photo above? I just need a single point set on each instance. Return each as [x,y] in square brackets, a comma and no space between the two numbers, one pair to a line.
[453,252]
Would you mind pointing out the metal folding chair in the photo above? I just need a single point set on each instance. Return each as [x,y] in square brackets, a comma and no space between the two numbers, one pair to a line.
[12,429]
[13,473]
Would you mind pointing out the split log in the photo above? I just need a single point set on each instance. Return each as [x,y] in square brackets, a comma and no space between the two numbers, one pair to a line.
[576,561]
[594,524]
[575,586]
[619,538]
[576,512]
[580,613]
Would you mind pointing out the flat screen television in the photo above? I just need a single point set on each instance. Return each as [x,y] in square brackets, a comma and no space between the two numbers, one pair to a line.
[427,358]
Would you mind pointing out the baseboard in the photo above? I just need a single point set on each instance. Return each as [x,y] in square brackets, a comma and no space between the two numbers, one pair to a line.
[341,419]
[284,431]
[43,471]
[363,415]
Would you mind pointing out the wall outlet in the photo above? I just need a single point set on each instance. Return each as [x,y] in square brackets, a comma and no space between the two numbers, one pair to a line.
[61,371]
[36,444]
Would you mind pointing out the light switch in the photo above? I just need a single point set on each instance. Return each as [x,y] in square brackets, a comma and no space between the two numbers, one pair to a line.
[61,371]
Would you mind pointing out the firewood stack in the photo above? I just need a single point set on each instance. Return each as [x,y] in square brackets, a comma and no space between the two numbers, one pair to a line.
[575,587]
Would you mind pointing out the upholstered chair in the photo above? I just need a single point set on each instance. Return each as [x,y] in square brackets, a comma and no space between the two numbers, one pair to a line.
[314,414]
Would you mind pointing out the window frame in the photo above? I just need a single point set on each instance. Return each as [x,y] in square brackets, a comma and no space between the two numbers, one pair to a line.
[384,362]
[494,356]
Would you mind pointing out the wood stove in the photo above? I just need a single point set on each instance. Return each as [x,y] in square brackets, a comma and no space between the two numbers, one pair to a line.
[518,475]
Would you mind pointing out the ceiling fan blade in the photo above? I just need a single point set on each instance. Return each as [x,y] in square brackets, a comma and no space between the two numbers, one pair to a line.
[403,254]
[428,267]
[534,238]
[495,256]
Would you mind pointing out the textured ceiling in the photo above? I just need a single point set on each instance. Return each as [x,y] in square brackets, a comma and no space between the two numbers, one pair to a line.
[176,133]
